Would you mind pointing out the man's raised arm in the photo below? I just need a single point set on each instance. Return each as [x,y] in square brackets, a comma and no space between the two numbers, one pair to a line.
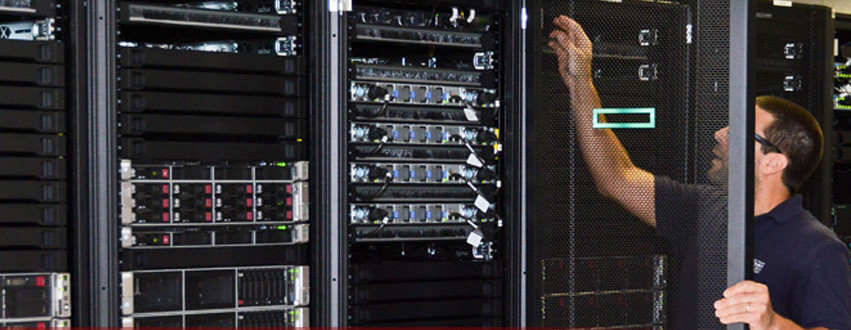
[615,176]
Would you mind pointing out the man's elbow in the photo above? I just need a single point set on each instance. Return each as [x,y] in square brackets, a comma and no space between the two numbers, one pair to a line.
[605,187]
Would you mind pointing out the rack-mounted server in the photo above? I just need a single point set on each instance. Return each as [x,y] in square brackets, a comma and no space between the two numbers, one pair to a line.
[36,299]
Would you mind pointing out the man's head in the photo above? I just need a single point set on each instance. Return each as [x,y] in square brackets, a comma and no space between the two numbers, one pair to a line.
[790,150]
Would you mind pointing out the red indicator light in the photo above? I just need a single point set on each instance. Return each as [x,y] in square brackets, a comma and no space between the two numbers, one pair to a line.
[289,189]
[208,216]
[208,202]
[289,201]
[248,189]
[165,173]
[208,189]
[165,189]
[39,281]
[165,203]
[248,215]
[165,239]
[248,202]
[289,215]
[165,216]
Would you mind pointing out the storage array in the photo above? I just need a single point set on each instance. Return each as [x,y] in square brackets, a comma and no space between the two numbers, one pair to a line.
[424,159]
[212,122]
[34,181]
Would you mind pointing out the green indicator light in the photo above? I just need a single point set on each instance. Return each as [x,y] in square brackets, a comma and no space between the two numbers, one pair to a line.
[282,227]
[292,270]
[650,123]
[292,312]
[155,240]
[281,164]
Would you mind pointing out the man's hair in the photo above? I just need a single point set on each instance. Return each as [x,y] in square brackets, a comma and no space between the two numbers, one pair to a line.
[798,135]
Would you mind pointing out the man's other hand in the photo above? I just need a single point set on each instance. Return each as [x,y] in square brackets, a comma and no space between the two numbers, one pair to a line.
[574,51]
[746,302]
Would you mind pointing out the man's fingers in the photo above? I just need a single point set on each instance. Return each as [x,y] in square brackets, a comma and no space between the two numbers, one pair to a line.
[563,22]
[576,34]
[745,287]
[739,299]
[560,37]
[748,307]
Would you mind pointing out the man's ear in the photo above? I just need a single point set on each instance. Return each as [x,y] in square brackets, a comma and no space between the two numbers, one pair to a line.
[773,163]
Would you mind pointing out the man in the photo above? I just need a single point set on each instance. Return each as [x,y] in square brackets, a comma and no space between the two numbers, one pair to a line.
[801,269]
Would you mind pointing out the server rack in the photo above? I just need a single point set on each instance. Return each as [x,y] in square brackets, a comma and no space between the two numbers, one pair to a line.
[793,61]
[424,117]
[37,222]
[839,154]
[590,263]
[210,143]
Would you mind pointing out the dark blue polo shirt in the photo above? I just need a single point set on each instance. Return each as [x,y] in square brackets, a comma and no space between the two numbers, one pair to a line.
[801,261]
[804,265]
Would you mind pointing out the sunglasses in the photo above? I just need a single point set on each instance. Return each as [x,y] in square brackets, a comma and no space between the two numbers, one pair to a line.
[770,147]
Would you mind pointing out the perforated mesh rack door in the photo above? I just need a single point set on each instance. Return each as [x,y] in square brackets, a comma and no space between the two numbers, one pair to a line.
[661,70]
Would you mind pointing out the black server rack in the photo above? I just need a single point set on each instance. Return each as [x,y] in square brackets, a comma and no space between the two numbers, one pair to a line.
[839,142]
[662,71]
[424,123]
[793,61]
[35,206]
[212,124]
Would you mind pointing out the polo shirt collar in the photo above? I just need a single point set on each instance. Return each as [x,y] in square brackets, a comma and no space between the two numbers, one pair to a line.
[784,211]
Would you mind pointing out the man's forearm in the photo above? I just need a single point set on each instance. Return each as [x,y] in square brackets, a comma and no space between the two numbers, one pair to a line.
[606,157]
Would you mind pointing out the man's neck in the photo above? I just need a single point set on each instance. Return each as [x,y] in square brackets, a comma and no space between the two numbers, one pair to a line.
[766,198]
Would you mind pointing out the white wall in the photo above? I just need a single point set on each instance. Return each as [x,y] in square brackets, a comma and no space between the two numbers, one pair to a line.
[840,6]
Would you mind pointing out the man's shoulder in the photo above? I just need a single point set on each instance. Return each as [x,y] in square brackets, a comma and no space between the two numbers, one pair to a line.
[814,239]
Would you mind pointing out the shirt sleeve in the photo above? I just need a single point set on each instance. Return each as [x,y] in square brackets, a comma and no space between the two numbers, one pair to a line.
[822,294]
[676,215]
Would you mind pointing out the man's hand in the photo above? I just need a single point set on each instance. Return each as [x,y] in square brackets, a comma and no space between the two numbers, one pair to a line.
[748,302]
[574,52]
